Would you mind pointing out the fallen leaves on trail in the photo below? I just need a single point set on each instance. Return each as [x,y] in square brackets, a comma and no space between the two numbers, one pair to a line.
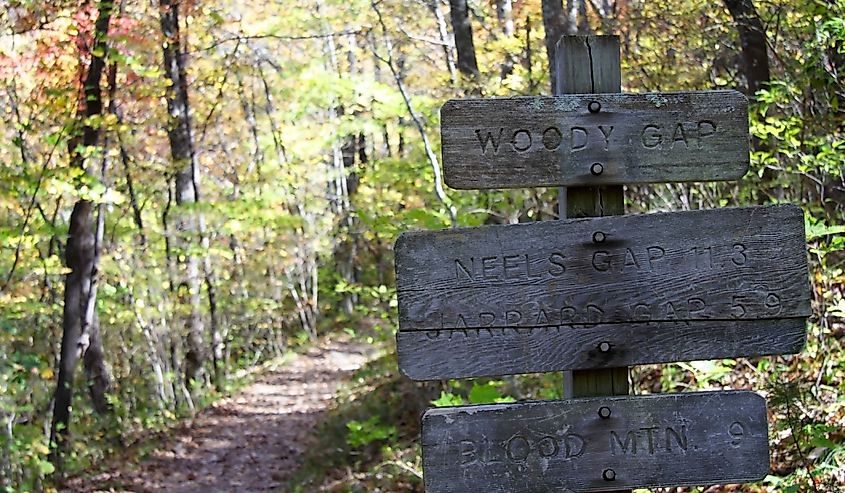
[250,442]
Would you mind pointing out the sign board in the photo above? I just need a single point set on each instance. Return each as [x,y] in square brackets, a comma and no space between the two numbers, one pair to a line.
[601,292]
[596,444]
[594,139]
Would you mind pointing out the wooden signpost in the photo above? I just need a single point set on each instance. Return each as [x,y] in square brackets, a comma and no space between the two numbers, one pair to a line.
[596,444]
[652,288]
[589,139]
[599,291]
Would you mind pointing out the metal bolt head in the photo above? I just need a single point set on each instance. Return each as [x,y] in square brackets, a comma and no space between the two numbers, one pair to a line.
[596,169]
[604,347]
[594,106]
[608,474]
[598,237]
[604,412]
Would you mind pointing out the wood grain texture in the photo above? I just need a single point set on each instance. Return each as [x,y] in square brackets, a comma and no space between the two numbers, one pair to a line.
[566,446]
[591,64]
[469,353]
[727,264]
[660,288]
[637,138]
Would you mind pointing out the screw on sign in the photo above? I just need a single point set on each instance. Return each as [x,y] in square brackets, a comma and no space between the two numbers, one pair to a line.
[596,444]
[576,139]
[601,292]
[592,295]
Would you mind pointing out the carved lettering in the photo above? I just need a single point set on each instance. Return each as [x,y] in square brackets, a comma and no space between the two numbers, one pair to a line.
[655,253]
[651,137]
[461,267]
[696,306]
[601,260]
[573,445]
[642,312]
[575,144]
[508,267]
[737,433]
[552,138]
[606,132]
[547,447]
[483,141]
[679,135]
[556,268]
[542,318]
[650,433]
[594,314]
[670,311]
[737,308]
[486,319]
[567,314]
[517,448]
[513,317]
[528,269]
[521,140]
[490,450]
[630,443]
[772,303]
[706,253]
[679,437]
[630,260]
[468,453]
[649,436]
[739,257]
[706,128]
[488,266]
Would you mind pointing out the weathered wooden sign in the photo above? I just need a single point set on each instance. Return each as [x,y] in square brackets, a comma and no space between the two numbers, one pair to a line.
[594,139]
[601,292]
[596,444]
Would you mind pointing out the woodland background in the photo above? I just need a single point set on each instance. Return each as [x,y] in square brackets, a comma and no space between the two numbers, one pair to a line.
[192,188]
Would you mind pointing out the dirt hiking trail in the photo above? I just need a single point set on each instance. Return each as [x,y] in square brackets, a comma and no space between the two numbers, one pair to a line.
[250,442]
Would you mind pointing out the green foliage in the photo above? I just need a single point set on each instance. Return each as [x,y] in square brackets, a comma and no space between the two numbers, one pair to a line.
[488,393]
[364,433]
[299,242]
[447,399]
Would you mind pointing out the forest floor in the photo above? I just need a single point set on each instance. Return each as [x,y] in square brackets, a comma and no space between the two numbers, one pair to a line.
[250,442]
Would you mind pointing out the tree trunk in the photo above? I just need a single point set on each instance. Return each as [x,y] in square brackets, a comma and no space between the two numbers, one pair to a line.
[556,24]
[752,38]
[467,64]
[79,258]
[79,323]
[345,152]
[443,33]
[182,154]
[504,12]
[559,21]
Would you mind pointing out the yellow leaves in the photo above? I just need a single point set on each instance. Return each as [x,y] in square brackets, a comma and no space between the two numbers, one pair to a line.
[47,373]
[112,196]
[107,121]
[52,266]
[9,299]
[40,448]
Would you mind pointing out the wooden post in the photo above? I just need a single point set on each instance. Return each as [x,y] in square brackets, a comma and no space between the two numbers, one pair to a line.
[590,64]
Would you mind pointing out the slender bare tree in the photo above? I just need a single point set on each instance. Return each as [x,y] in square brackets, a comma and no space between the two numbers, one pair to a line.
[186,183]
[80,325]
